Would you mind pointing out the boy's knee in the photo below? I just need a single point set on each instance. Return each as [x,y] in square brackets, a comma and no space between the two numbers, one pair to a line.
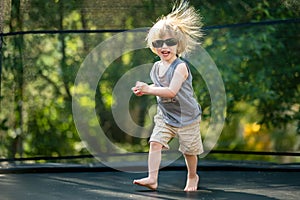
[190,156]
[156,145]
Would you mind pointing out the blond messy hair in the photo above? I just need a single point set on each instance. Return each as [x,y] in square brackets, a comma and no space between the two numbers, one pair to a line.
[183,23]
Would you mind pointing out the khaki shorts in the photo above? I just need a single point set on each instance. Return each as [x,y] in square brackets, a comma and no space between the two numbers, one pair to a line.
[189,137]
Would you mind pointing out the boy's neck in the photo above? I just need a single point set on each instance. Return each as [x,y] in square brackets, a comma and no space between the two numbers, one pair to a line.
[169,62]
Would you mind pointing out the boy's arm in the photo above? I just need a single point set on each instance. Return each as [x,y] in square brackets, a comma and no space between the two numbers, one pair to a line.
[180,75]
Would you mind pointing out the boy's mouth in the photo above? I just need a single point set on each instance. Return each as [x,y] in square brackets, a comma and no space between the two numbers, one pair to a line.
[165,52]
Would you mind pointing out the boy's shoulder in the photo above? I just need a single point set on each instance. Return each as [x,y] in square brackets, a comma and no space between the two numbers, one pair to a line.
[179,61]
[156,63]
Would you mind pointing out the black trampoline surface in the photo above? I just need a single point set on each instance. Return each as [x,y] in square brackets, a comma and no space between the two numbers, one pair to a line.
[216,182]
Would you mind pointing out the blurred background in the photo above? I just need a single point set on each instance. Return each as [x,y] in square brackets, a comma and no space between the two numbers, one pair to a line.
[254,43]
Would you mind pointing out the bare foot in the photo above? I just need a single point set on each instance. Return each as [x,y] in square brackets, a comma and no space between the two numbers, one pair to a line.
[191,184]
[146,182]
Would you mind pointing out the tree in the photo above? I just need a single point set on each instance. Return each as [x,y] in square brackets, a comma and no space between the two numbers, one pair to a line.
[259,66]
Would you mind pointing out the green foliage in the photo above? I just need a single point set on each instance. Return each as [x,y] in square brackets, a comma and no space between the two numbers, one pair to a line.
[259,65]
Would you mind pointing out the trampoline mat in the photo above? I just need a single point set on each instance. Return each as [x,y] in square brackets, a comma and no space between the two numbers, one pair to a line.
[223,185]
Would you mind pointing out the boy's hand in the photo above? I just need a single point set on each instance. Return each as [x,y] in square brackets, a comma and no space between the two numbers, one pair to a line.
[137,91]
[139,88]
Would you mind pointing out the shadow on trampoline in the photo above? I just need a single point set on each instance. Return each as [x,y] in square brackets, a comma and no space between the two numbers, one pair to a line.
[204,193]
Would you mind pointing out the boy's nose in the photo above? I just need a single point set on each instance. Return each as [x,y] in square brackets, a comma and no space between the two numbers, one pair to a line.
[164,45]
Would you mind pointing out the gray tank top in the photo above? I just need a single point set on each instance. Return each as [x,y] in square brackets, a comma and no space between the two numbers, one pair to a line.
[183,109]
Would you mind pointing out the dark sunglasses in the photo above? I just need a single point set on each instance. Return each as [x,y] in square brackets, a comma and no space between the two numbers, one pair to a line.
[169,42]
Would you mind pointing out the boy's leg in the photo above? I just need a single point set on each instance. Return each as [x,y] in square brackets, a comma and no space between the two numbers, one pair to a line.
[192,177]
[154,160]
[191,146]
